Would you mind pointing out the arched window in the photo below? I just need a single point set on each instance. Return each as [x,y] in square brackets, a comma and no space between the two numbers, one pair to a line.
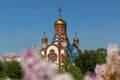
[52,56]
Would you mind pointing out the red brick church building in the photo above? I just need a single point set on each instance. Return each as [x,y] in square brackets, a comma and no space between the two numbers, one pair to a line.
[59,49]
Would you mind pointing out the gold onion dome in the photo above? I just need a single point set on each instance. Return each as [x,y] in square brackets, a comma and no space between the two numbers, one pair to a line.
[60,21]
[64,37]
[76,39]
[44,38]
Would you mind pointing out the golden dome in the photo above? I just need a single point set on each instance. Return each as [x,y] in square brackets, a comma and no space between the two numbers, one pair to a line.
[60,21]
[44,38]
[64,37]
[76,39]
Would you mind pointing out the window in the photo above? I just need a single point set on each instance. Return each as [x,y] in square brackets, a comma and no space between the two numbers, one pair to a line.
[52,56]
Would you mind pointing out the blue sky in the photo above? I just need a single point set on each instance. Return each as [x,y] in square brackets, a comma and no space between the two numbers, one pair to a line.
[23,22]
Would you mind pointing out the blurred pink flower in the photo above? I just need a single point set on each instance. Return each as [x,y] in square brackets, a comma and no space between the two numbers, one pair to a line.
[101,69]
[109,70]
[113,55]
[99,78]
[112,49]
[64,76]
[89,76]
[37,68]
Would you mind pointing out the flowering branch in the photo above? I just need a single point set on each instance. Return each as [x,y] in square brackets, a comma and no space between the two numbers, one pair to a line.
[37,68]
[109,70]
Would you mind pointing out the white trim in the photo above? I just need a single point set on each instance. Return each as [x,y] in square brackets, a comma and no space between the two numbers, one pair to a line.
[55,48]
[62,51]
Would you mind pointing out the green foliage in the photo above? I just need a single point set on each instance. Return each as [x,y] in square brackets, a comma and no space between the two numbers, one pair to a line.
[1,70]
[88,59]
[72,69]
[10,79]
[13,70]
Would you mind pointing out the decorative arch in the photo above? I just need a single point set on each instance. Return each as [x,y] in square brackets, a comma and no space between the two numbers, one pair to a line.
[52,56]
[52,53]
[62,55]
[43,53]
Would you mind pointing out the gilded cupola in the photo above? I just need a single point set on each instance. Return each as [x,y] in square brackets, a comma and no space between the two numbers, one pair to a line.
[60,21]
[44,39]
[76,39]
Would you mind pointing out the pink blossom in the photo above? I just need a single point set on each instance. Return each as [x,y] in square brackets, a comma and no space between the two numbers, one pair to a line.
[89,76]
[101,69]
[113,54]
[37,68]
[64,76]
[109,70]
[112,49]
[98,77]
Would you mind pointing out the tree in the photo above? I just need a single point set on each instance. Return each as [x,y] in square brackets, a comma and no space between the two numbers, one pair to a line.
[70,68]
[13,70]
[2,74]
[87,60]
[102,53]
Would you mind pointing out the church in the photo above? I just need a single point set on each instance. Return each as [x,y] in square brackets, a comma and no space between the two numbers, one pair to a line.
[60,47]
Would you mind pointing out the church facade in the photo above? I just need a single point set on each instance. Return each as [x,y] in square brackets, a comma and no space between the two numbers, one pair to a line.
[60,47]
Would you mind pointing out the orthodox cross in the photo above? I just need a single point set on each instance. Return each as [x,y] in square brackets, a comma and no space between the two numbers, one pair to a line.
[75,34]
[60,12]
[44,33]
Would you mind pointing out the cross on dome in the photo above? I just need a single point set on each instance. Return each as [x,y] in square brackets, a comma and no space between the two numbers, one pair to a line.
[60,12]
[44,33]
[75,34]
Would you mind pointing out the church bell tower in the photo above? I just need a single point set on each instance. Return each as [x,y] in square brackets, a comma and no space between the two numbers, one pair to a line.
[60,31]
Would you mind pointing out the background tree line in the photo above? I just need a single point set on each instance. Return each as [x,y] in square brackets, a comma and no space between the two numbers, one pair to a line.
[85,62]
[11,69]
